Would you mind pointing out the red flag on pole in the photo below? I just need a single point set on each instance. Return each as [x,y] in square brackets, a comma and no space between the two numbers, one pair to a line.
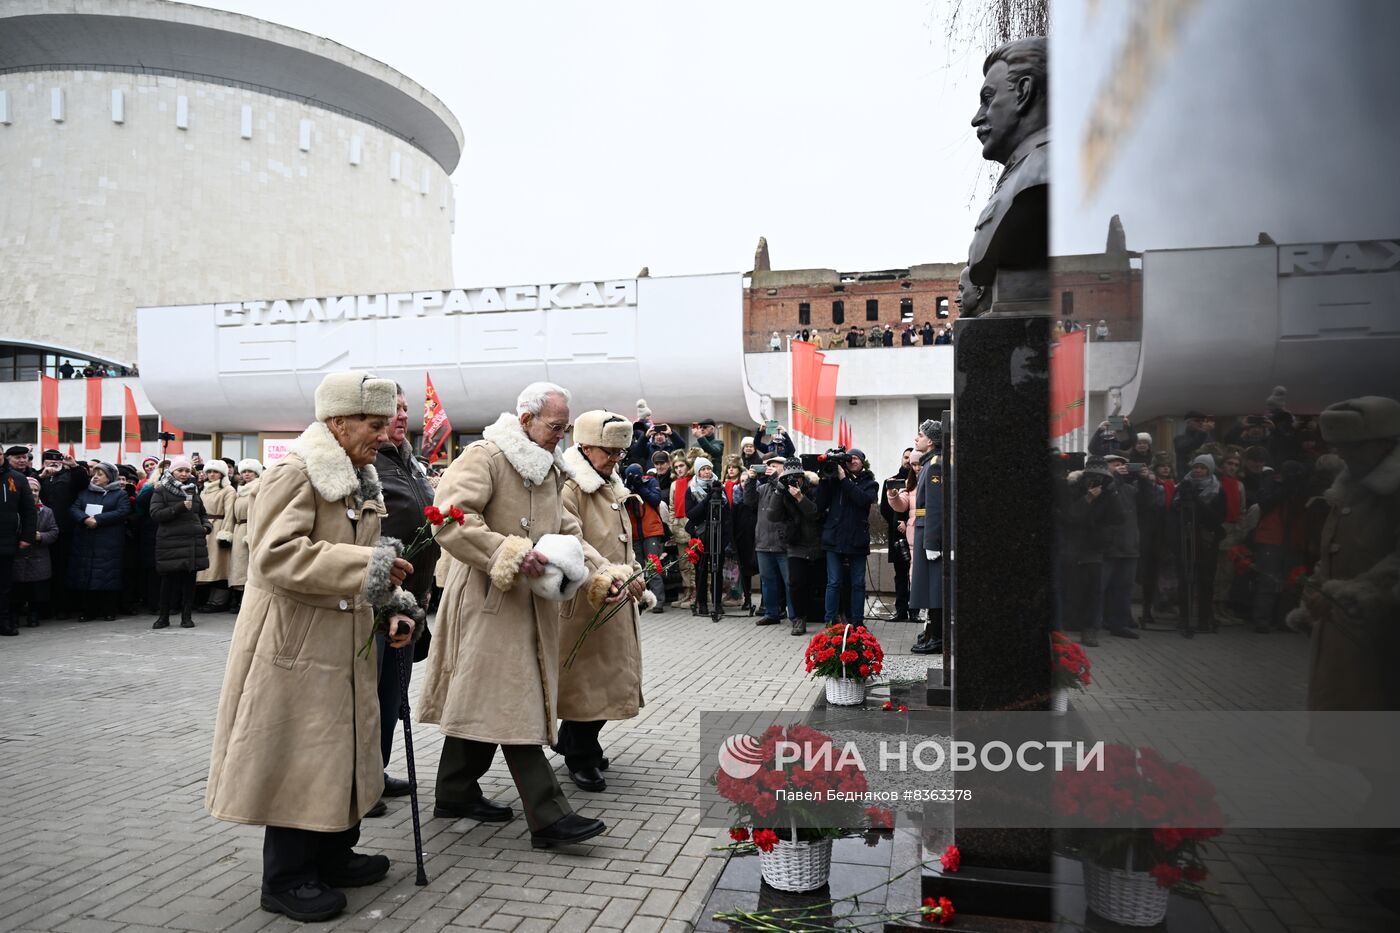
[1067,384]
[824,402]
[436,427]
[48,413]
[92,425]
[72,454]
[806,361]
[176,446]
[844,436]
[132,429]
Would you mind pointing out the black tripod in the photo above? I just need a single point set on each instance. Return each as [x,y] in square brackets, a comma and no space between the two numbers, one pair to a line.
[714,550]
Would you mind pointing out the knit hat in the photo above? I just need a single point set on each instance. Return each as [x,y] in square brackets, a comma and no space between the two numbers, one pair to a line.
[1144,437]
[250,464]
[1369,418]
[127,470]
[599,428]
[180,463]
[857,452]
[633,469]
[355,393]
[146,460]
[932,429]
[1277,400]
[792,467]
[1205,460]
[1096,466]
[701,463]
[217,466]
[34,484]
[643,412]
[746,442]
[107,468]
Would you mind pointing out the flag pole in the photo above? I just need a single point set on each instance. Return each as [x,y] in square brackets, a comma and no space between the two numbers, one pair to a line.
[791,425]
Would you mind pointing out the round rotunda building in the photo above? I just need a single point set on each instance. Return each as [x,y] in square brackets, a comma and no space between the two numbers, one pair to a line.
[154,153]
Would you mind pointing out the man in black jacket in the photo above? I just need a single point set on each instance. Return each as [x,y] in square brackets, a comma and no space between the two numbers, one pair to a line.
[1122,547]
[18,520]
[770,543]
[845,496]
[1087,510]
[406,494]
[898,555]
[59,484]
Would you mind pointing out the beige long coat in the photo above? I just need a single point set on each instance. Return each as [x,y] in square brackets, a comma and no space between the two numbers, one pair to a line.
[606,679]
[493,670]
[242,509]
[296,742]
[218,504]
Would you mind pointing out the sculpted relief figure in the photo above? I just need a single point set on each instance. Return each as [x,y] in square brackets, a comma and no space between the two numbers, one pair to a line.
[1012,123]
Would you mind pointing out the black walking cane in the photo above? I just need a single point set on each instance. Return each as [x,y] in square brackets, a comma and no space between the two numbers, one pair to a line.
[404,663]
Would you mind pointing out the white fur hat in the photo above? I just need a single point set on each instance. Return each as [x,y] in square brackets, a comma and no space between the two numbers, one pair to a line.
[1144,436]
[601,428]
[565,572]
[250,464]
[216,466]
[355,393]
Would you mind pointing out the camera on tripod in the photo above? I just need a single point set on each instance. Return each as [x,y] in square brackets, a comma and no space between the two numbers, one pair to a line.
[833,458]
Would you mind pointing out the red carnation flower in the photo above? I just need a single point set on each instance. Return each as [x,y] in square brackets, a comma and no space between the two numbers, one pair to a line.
[951,859]
[433,514]
[888,706]
[739,835]
[765,839]
[1195,874]
[1297,575]
[941,908]
[457,515]
[864,670]
[655,563]
[1166,875]
[696,545]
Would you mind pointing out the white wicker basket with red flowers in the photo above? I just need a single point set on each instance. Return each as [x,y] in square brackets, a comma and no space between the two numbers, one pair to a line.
[847,656]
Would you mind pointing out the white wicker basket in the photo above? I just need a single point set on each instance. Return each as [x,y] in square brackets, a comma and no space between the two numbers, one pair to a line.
[1059,701]
[1132,898]
[796,866]
[842,691]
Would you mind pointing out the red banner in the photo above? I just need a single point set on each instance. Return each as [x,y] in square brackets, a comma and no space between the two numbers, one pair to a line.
[48,414]
[1067,384]
[131,430]
[176,446]
[806,362]
[843,436]
[824,402]
[436,427]
[92,424]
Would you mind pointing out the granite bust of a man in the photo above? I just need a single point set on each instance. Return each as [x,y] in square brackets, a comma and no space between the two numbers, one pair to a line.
[969,296]
[1012,123]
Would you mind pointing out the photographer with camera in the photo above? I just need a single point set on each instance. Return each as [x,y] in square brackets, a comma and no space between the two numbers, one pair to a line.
[709,519]
[1088,510]
[648,529]
[845,493]
[790,506]
[770,542]
[648,439]
[1136,491]
[777,442]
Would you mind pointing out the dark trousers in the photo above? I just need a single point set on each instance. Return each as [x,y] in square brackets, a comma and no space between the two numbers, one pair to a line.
[1268,560]
[94,603]
[901,586]
[1150,572]
[1083,597]
[7,575]
[33,595]
[294,857]
[579,743]
[1197,586]
[1117,599]
[654,546]
[178,584]
[389,694]
[807,579]
[464,761]
[708,586]
[150,588]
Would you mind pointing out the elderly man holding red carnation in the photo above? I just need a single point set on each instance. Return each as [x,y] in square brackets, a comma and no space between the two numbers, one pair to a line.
[605,680]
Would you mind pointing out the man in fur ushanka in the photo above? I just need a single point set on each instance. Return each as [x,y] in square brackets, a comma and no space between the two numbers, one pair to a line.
[493,673]
[296,742]
[605,681]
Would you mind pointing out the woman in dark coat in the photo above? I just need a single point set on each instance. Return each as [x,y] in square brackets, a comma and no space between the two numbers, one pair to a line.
[99,516]
[182,548]
[708,584]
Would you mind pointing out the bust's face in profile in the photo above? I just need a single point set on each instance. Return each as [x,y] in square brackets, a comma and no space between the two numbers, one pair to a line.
[997,120]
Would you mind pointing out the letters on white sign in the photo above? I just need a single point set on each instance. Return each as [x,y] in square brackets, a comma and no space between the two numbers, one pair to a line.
[1323,258]
[423,304]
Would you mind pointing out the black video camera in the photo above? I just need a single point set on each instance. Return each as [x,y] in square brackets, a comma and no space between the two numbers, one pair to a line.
[633,481]
[165,436]
[833,458]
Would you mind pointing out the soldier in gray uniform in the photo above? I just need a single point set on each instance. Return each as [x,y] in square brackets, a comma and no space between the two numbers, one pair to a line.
[926,556]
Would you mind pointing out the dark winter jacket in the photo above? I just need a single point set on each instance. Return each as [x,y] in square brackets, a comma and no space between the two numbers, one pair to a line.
[1186,444]
[770,535]
[1208,508]
[801,521]
[146,527]
[1132,497]
[713,448]
[181,543]
[34,563]
[58,490]
[1085,523]
[18,512]
[406,494]
[697,521]
[846,504]
[891,517]
[95,562]
[1108,441]
[774,444]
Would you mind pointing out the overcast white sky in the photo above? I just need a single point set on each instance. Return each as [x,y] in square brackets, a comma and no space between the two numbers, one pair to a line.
[604,137]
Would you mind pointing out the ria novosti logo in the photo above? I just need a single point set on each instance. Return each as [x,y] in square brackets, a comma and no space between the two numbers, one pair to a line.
[741,756]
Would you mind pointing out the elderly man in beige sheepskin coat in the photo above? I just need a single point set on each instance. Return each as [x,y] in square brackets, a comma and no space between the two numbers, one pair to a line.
[492,677]
[296,742]
[605,681]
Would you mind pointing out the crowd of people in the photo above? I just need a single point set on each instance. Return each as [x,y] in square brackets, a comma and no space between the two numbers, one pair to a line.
[1208,531]
[880,335]
[66,370]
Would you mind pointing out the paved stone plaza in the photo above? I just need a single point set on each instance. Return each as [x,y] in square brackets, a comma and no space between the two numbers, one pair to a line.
[105,730]
[106,727]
